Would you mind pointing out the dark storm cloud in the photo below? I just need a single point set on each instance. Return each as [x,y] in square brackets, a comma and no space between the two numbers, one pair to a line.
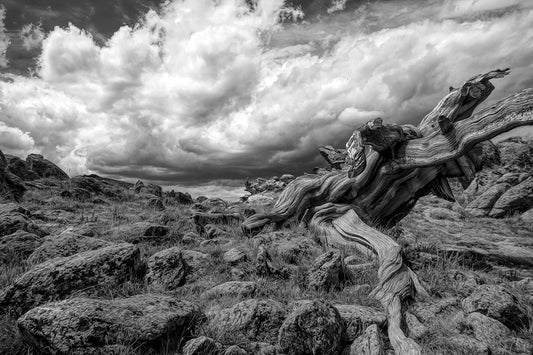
[197,93]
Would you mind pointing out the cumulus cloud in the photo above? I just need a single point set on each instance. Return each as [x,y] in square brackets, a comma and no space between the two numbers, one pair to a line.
[207,90]
[31,36]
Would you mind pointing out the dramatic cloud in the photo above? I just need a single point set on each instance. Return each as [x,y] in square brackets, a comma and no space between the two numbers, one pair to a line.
[206,90]
[4,39]
[31,36]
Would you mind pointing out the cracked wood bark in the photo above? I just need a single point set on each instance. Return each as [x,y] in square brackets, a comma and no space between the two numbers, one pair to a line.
[390,168]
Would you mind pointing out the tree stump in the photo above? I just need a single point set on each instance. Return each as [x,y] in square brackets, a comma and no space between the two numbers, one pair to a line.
[387,169]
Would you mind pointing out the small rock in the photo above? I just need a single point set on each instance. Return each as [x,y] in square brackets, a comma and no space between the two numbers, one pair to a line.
[234,256]
[167,269]
[415,329]
[327,272]
[256,320]
[369,343]
[263,263]
[496,302]
[82,326]
[200,346]
[232,288]
[313,328]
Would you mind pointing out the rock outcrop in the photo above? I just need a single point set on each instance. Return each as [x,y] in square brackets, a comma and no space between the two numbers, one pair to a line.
[44,168]
[92,326]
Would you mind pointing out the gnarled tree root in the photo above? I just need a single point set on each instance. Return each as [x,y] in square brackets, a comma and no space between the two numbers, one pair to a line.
[340,225]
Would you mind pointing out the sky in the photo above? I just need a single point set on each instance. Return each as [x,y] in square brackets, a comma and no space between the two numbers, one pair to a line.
[201,94]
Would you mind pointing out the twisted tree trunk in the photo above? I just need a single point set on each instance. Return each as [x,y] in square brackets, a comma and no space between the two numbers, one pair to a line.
[387,169]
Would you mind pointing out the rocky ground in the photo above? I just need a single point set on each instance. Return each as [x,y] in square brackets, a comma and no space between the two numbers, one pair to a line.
[90,265]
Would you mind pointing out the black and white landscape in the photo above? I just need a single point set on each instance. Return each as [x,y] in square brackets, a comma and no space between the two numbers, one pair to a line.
[266,177]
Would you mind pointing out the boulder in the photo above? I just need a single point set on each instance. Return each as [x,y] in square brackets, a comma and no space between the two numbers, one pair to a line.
[312,328]
[11,221]
[327,272]
[369,343]
[44,168]
[234,256]
[138,232]
[94,326]
[60,277]
[497,302]
[200,346]
[261,348]
[464,344]
[255,320]
[487,330]
[65,244]
[155,203]
[167,269]
[232,288]
[20,244]
[518,198]
[482,205]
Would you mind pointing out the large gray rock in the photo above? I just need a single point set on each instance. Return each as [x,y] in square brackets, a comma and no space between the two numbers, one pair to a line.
[44,167]
[93,326]
[167,269]
[65,244]
[60,277]
[313,328]
[482,205]
[20,244]
[255,320]
[518,198]
[369,343]
[497,302]
[327,272]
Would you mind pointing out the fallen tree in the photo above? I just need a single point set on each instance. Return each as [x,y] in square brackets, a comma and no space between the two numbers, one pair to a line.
[386,169]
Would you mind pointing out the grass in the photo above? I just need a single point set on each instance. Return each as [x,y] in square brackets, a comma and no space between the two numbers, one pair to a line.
[111,219]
